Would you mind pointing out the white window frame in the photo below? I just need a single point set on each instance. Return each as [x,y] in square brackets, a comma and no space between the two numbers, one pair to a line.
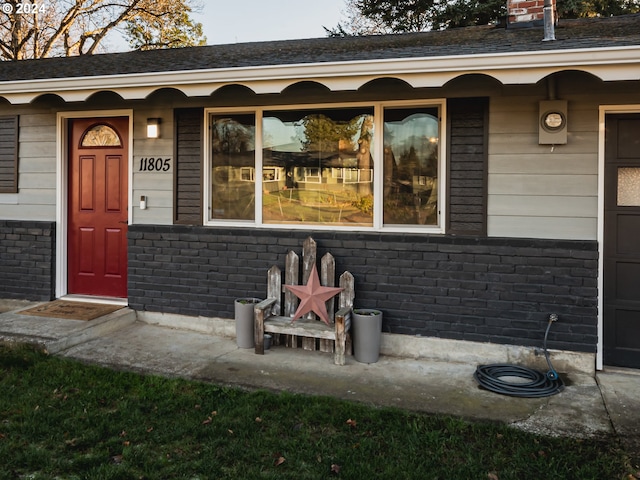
[376,150]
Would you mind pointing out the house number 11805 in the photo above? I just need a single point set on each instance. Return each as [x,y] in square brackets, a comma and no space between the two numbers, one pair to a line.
[152,164]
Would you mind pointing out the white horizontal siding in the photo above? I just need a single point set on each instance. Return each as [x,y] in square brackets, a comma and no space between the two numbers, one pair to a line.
[568,228]
[156,186]
[529,164]
[25,211]
[543,184]
[36,197]
[545,206]
[541,191]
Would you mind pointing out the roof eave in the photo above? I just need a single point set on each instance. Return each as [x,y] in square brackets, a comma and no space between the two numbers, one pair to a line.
[609,64]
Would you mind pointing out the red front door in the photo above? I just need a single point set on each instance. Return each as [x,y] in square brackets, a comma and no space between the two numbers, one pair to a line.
[98,211]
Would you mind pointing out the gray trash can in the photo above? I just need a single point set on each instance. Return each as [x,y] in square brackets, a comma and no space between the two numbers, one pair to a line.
[244,321]
[367,333]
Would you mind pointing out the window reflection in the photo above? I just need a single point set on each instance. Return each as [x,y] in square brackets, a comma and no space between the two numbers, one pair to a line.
[411,137]
[628,187]
[317,167]
[233,167]
[100,136]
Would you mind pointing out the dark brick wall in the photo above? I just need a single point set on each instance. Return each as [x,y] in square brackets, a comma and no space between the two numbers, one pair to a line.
[27,260]
[480,289]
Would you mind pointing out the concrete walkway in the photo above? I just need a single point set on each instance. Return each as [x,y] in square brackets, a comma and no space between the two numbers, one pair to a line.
[588,407]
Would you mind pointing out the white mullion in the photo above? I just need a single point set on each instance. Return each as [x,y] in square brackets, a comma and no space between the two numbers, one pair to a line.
[378,166]
[258,166]
[206,174]
[442,167]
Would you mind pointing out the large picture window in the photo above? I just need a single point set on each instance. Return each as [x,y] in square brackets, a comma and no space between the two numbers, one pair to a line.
[365,166]
[311,163]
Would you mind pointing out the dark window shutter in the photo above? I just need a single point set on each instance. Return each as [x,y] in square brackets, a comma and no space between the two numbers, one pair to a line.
[188,166]
[9,154]
[468,127]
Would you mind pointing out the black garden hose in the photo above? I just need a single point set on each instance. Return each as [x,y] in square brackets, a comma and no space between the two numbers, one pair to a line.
[538,385]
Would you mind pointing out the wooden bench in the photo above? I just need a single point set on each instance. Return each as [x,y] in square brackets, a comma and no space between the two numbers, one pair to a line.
[307,332]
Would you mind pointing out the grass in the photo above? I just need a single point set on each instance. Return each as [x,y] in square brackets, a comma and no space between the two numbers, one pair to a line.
[63,419]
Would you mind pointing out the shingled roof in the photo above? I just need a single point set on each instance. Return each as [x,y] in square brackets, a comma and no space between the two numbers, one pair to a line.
[570,34]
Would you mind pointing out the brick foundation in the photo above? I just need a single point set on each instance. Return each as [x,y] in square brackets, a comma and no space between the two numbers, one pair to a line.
[27,257]
[495,290]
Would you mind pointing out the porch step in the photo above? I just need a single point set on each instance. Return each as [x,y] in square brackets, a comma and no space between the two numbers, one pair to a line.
[94,329]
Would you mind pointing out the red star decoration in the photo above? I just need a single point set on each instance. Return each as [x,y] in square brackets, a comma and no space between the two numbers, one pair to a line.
[312,297]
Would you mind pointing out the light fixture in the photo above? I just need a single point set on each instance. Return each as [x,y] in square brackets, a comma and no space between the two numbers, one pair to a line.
[153,127]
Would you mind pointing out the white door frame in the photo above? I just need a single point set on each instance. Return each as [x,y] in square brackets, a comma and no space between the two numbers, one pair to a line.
[62,183]
[603,111]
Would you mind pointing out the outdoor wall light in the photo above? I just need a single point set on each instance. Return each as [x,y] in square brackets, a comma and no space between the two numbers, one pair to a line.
[153,127]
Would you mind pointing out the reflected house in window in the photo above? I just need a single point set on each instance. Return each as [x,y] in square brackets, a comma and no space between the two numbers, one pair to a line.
[100,136]
[411,137]
[324,158]
[233,167]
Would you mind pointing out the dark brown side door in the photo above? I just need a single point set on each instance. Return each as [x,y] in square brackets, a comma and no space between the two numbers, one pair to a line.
[622,241]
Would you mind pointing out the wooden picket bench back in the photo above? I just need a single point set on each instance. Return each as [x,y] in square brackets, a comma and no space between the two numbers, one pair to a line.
[307,332]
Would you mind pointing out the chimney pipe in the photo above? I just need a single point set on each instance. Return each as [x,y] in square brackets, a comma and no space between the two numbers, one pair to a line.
[549,21]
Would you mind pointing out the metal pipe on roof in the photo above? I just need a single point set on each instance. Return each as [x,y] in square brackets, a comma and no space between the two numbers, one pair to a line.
[549,21]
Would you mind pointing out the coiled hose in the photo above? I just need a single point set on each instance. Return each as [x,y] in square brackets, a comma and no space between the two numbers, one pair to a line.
[491,377]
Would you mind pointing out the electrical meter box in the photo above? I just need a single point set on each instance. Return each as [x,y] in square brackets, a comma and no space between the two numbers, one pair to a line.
[552,127]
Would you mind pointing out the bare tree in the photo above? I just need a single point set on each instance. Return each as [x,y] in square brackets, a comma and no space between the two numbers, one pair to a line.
[79,27]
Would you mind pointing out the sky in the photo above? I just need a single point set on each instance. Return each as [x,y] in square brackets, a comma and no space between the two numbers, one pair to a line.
[240,21]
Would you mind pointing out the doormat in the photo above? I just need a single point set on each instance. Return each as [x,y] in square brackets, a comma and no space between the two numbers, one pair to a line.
[71,310]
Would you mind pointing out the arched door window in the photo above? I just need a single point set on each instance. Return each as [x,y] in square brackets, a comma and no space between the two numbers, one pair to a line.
[101,136]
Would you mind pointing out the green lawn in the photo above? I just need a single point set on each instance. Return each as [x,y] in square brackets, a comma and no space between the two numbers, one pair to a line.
[63,419]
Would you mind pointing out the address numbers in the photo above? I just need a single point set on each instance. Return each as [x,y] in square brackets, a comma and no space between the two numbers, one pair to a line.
[154,164]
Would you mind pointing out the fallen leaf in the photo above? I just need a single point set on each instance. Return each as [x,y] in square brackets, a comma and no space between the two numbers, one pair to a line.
[492,476]
[351,423]
[207,421]
[258,419]
[335,468]
[230,431]
[279,461]
[150,429]
[214,413]
[126,443]
[116,459]
[123,433]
